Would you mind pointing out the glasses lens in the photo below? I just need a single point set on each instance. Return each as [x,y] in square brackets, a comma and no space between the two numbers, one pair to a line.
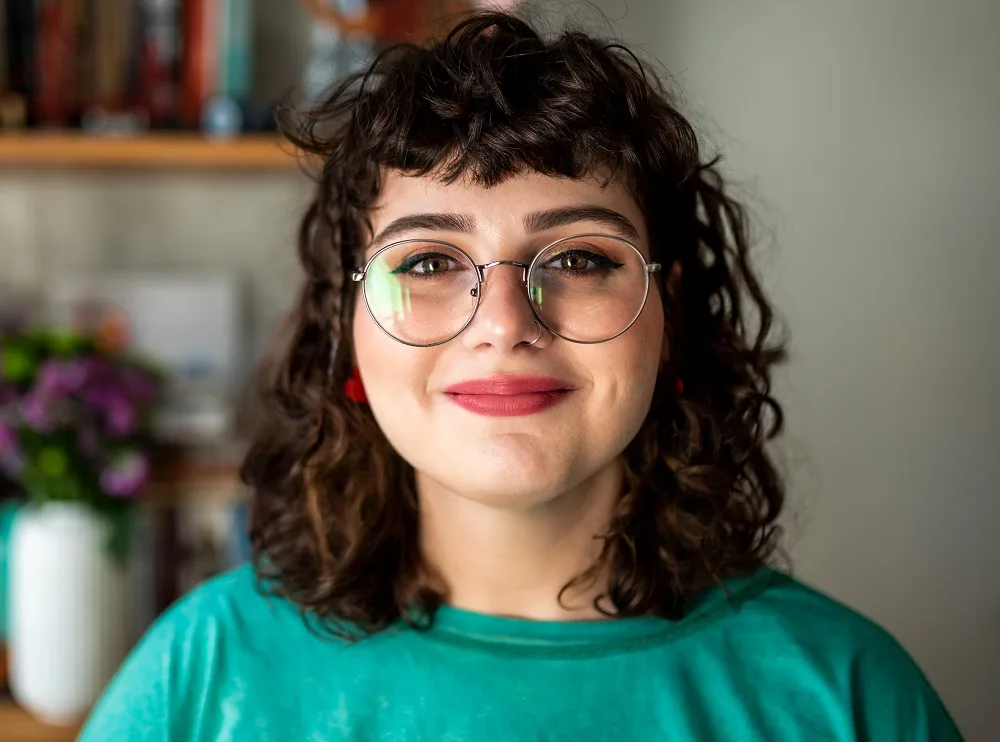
[421,292]
[588,288]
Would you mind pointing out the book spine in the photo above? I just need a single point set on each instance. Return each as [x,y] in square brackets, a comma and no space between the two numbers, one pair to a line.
[199,62]
[4,81]
[158,55]
[240,77]
[235,38]
[86,77]
[55,46]
[20,50]
[210,57]
[111,22]
[223,41]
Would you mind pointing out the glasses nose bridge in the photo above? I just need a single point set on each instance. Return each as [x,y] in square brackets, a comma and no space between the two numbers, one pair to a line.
[481,269]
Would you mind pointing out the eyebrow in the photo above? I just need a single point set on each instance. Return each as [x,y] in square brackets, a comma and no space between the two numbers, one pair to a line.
[539,221]
[426,222]
[536,221]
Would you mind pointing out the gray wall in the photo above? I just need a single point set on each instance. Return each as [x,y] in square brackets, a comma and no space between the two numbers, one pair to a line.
[867,135]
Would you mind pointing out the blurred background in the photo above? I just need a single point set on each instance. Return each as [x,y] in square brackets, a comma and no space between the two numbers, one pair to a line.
[146,199]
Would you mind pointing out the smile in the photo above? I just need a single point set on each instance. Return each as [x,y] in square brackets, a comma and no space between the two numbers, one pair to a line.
[509,396]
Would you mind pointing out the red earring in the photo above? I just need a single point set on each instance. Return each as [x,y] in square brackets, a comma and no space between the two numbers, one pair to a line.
[680,386]
[354,388]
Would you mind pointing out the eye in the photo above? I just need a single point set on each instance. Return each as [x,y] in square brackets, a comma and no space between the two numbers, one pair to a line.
[426,264]
[574,261]
[581,261]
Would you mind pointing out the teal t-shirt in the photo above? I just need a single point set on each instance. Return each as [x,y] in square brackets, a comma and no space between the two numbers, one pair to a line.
[772,661]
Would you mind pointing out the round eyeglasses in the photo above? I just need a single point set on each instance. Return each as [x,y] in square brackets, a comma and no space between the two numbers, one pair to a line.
[589,288]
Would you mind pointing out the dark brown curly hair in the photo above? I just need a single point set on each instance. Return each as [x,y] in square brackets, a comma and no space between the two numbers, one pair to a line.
[334,521]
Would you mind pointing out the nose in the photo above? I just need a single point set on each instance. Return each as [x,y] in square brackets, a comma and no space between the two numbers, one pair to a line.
[504,319]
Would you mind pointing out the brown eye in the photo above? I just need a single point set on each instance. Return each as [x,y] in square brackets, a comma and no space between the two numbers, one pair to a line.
[427,264]
[432,265]
[573,261]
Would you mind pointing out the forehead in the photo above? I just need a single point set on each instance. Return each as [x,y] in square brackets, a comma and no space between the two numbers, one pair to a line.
[499,209]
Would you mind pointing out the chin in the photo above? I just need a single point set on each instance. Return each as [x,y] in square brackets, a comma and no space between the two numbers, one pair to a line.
[510,474]
[508,493]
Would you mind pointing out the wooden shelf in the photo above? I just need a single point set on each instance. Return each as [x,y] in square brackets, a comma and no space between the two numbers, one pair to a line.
[17,725]
[162,150]
[189,482]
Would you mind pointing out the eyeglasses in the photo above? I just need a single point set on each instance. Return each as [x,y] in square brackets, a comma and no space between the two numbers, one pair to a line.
[588,288]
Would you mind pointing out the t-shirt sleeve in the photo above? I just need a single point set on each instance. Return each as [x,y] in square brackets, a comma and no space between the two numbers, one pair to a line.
[160,692]
[894,700]
[136,704]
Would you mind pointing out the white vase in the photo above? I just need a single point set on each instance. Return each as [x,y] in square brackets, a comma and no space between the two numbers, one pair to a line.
[68,611]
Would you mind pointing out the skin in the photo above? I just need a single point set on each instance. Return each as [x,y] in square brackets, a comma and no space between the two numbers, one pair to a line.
[510,507]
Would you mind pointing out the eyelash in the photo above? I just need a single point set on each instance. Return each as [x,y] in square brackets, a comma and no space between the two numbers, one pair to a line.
[405,268]
[601,262]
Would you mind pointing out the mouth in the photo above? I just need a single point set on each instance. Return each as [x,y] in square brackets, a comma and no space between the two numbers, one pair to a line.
[509,396]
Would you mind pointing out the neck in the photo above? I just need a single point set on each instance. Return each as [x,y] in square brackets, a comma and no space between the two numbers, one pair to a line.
[515,562]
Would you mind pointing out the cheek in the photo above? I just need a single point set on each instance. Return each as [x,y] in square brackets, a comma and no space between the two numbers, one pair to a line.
[625,369]
[395,378]
[384,363]
[644,345]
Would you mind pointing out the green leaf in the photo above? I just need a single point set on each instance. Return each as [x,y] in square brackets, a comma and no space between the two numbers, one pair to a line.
[52,462]
[17,364]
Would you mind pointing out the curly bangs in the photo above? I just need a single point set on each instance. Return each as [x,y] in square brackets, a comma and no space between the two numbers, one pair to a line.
[334,522]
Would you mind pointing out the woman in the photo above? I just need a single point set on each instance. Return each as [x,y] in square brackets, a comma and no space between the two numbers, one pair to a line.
[513,484]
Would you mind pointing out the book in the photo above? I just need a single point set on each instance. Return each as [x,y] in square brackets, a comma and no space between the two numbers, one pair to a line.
[56,29]
[158,51]
[19,62]
[4,84]
[111,89]
[199,67]
[235,66]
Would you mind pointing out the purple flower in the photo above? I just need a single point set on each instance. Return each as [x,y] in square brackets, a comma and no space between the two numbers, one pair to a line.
[8,393]
[12,464]
[126,475]
[37,414]
[97,399]
[8,439]
[11,459]
[61,378]
[120,416]
[138,386]
[96,369]
[88,441]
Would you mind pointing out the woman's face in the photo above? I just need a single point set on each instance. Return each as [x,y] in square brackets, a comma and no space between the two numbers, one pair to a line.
[502,449]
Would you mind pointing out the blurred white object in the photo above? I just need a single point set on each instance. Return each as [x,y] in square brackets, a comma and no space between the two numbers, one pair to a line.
[189,325]
[68,611]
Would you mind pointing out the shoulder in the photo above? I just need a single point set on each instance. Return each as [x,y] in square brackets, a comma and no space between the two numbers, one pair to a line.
[221,623]
[225,608]
[235,597]
[816,641]
[776,603]
[798,621]
[225,631]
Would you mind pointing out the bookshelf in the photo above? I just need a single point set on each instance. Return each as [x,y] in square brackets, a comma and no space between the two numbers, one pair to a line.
[185,481]
[162,150]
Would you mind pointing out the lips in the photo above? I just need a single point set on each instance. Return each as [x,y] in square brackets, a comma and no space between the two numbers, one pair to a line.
[509,396]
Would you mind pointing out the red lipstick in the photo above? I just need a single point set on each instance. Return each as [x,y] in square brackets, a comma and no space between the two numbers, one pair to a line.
[509,396]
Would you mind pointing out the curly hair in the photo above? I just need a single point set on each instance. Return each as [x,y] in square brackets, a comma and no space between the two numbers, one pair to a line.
[334,518]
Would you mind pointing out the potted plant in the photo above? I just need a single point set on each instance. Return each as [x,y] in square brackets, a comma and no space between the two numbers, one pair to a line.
[74,435]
